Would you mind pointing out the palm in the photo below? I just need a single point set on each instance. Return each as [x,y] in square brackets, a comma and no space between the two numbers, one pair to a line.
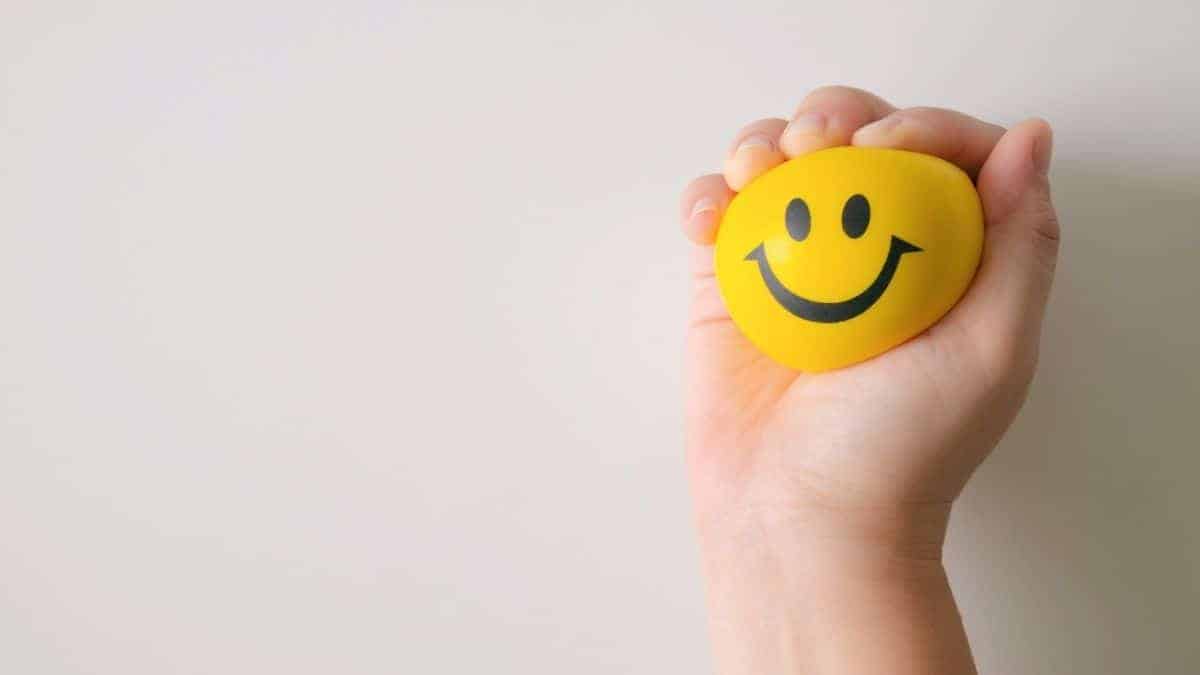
[861,432]
[911,424]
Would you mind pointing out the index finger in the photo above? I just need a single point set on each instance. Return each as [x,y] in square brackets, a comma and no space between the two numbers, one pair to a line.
[953,136]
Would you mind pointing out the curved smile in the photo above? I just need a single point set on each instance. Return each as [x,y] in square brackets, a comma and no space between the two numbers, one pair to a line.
[832,312]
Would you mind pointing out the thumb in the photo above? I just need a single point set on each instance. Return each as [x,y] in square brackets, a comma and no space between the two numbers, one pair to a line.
[1015,188]
[1003,311]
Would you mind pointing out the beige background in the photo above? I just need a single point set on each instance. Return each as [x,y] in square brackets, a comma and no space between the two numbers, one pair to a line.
[344,337]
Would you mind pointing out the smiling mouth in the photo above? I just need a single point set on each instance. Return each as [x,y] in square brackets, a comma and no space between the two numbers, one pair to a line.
[832,312]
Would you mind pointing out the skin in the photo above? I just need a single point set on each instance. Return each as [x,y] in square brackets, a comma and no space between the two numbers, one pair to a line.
[821,501]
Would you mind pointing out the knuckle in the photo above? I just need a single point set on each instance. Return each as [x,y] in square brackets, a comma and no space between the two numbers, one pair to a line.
[1047,232]
[839,93]
[700,184]
[698,187]
[839,90]
[762,124]
[835,90]
[1047,226]
[1011,362]
[926,111]
[770,127]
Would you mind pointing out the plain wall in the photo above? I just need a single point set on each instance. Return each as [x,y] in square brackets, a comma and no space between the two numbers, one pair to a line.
[345,337]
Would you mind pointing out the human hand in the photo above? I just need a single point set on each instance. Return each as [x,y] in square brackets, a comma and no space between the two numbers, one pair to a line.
[870,457]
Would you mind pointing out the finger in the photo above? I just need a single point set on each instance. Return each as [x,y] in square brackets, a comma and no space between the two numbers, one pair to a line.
[707,304]
[701,205]
[828,117]
[951,135]
[755,150]
[1002,313]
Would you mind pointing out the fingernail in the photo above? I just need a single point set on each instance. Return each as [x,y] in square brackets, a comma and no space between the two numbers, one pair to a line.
[878,129]
[754,142]
[1043,150]
[805,124]
[703,205]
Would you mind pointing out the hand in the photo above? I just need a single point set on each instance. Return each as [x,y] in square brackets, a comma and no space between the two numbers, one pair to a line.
[868,458]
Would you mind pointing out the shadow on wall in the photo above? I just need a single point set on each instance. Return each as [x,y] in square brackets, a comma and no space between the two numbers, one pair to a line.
[1077,547]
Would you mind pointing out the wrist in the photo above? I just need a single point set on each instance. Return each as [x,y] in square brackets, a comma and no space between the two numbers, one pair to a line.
[810,590]
[905,531]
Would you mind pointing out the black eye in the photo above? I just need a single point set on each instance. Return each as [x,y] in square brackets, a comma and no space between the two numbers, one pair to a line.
[856,215]
[799,221]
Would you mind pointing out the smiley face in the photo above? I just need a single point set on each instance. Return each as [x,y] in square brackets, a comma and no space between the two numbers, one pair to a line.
[855,217]
[834,257]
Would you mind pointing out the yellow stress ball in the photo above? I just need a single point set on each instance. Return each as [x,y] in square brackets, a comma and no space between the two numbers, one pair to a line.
[839,255]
